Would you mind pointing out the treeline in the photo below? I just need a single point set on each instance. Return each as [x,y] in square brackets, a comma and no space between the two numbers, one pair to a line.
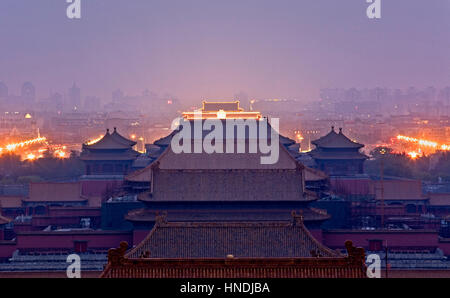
[426,167]
[15,171]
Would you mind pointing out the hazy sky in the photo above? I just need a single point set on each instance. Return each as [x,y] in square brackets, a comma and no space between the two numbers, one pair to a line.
[215,48]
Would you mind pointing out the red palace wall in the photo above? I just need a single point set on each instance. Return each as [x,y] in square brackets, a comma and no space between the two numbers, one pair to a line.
[96,188]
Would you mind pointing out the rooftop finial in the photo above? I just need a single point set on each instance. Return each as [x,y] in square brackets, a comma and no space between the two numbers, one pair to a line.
[160,218]
[115,129]
[340,130]
[117,255]
[297,219]
[332,128]
[107,130]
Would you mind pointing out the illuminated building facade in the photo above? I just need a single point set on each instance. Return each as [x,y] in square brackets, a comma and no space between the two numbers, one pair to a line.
[221,110]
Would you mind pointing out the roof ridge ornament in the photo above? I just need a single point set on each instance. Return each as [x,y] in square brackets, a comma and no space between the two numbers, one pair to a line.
[297,219]
[116,256]
[355,254]
[161,218]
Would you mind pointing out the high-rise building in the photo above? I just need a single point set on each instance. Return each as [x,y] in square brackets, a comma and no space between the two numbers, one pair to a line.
[28,92]
[74,98]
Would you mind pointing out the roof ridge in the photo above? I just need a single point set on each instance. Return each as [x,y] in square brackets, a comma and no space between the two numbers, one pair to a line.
[241,224]
[340,140]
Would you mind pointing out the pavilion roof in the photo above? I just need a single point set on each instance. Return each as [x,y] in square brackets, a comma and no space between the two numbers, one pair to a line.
[111,141]
[121,138]
[336,140]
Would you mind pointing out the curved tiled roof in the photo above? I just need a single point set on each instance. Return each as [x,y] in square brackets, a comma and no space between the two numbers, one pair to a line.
[165,141]
[121,265]
[55,192]
[240,239]
[336,140]
[111,141]
[121,138]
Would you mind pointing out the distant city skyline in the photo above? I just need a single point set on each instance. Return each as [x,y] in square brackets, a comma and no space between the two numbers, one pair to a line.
[201,49]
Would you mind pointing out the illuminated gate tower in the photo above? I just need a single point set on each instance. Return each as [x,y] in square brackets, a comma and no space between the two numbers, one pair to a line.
[223,186]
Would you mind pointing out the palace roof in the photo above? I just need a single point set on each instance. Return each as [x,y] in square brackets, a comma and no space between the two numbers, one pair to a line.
[110,141]
[115,135]
[55,192]
[112,146]
[221,110]
[336,140]
[11,201]
[222,177]
[223,185]
[233,250]
[240,239]
[165,141]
